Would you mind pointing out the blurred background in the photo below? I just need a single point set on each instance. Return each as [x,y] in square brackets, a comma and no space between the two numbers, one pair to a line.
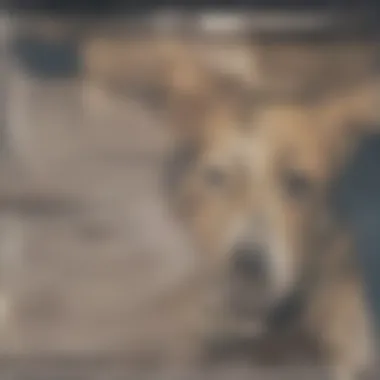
[86,244]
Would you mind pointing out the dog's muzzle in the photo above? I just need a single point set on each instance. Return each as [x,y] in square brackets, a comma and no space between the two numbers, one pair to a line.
[250,281]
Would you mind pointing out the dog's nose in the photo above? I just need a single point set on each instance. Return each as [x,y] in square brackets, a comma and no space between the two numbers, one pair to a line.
[249,261]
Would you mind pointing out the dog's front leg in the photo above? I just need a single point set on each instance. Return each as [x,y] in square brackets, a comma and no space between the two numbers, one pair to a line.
[341,323]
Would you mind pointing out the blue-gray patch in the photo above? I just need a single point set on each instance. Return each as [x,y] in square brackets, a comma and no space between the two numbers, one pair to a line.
[356,199]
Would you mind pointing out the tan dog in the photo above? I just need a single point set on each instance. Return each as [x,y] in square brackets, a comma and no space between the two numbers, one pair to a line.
[261,195]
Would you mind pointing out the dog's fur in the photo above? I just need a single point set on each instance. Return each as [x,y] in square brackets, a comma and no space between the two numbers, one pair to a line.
[265,178]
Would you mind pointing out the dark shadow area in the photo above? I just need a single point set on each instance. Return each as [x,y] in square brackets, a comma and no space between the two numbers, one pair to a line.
[357,201]
[101,7]
[44,59]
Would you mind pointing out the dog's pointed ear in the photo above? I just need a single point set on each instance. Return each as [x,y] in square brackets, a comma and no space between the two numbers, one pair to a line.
[201,75]
[357,73]
[188,97]
[357,111]
[366,108]
[185,90]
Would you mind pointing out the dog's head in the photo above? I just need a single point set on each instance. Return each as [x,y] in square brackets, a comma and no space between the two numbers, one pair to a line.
[295,152]
[254,181]
[259,195]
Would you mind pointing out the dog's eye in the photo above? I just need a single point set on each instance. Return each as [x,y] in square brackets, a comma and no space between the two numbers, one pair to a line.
[215,177]
[297,184]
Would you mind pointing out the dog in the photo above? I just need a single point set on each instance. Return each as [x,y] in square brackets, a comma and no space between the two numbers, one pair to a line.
[253,189]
